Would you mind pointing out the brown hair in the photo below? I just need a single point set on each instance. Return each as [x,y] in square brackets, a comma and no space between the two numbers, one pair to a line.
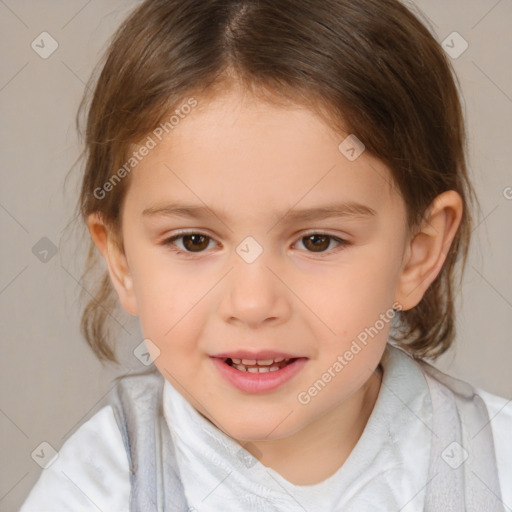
[369,67]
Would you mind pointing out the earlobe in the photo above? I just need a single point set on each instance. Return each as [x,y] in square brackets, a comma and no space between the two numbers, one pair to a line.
[427,250]
[116,262]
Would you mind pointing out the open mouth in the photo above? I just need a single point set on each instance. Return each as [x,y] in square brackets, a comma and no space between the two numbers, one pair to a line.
[260,365]
[258,375]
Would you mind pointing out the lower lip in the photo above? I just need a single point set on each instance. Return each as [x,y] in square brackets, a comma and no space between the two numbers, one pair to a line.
[258,382]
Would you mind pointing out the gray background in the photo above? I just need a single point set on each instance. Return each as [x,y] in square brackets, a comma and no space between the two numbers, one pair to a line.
[50,380]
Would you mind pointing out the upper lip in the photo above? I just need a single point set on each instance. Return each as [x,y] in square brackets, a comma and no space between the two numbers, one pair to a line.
[258,356]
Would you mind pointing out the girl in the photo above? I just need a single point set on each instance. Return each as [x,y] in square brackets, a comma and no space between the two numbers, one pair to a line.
[279,191]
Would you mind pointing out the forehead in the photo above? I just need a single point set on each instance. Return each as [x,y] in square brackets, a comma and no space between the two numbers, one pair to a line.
[237,150]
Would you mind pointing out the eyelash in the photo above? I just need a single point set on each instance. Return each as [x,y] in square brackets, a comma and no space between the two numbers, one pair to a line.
[169,242]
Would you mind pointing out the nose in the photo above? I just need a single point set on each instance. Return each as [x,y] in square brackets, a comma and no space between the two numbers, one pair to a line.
[255,294]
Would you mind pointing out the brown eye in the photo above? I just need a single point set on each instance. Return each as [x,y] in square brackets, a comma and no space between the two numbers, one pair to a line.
[195,242]
[188,243]
[317,242]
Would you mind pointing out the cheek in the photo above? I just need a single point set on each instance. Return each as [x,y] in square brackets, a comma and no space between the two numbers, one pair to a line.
[354,296]
[357,306]
[173,309]
[163,295]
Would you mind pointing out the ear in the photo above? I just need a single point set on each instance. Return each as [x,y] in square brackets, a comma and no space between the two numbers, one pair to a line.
[115,258]
[427,250]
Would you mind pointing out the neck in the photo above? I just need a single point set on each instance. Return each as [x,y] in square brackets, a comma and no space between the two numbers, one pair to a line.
[317,451]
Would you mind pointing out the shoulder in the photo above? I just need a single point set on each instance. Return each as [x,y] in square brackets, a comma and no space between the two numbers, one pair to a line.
[500,408]
[500,417]
[91,471]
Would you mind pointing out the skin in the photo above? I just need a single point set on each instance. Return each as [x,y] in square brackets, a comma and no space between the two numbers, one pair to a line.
[251,162]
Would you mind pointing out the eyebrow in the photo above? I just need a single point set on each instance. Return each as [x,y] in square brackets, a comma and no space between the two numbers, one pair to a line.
[334,210]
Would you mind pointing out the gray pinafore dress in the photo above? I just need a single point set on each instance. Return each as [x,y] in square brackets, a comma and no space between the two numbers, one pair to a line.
[462,451]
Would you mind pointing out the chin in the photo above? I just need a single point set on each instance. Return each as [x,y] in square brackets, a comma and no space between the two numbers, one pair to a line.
[263,428]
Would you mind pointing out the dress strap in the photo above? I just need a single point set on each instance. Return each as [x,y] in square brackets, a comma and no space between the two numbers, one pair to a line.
[155,481]
[463,474]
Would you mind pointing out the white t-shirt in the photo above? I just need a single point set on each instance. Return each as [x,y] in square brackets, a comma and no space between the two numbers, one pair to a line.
[386,471]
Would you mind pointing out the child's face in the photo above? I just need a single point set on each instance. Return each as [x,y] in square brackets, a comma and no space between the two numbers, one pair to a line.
[250,168]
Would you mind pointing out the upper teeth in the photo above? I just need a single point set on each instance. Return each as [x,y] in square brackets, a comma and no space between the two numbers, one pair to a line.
[260,362]
[257,365]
